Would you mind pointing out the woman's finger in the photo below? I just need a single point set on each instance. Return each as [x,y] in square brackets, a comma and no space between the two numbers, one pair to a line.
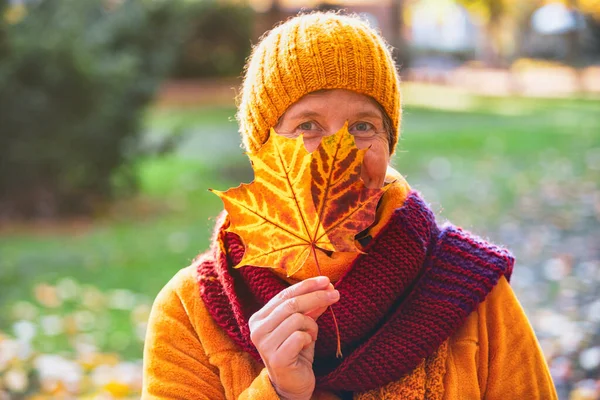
[300,288]
[316,313]
[301,304]
[287,354]
[295,322]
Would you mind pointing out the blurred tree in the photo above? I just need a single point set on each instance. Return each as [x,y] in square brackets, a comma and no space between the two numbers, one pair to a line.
[573,38]
[497,16]
[591,40]
[589,7]
[398,41]
[218,41]
[506,21]
[275,14]
[562,30]
[74,78]
[265,21]
[591,11]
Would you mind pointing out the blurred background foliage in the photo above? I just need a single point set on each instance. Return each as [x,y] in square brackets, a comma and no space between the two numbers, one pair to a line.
[116,116]
[75,76]
[218,40]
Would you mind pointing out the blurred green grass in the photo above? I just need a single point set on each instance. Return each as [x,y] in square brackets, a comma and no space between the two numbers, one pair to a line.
[476,161]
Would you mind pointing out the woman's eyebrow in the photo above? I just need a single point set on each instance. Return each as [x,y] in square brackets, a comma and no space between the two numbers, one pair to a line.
[304,114]
[369,114]
[309,114]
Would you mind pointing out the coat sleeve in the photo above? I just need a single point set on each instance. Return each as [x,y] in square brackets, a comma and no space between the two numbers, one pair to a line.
[176,364]
[516,365]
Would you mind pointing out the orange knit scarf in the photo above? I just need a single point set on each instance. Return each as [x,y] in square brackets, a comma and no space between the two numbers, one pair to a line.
[426,381]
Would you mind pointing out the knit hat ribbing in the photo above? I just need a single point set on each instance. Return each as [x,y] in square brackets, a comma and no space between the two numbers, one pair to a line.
[311,52]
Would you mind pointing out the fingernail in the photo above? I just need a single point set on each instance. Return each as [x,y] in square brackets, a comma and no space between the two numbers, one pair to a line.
[322,280]
[334,295]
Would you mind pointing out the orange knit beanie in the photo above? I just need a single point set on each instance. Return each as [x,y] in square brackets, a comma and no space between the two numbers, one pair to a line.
[311,52]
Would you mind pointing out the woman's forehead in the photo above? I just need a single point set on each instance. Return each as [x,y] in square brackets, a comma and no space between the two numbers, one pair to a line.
[324,102]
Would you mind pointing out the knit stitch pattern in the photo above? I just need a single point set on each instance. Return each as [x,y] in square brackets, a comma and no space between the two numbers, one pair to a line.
[313,52]
[399,302]
[426,381]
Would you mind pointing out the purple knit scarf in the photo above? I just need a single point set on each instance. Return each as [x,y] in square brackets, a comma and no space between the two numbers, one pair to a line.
[411,290]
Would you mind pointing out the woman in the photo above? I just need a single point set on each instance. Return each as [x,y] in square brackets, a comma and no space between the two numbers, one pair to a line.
[425,313]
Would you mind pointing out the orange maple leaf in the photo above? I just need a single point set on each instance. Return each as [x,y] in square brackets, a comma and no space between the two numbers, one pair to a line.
[301,201]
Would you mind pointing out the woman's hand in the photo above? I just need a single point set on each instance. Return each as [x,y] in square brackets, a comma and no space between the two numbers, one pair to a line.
[285,330]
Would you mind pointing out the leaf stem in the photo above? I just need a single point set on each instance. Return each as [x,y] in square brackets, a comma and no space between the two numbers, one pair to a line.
[338,352]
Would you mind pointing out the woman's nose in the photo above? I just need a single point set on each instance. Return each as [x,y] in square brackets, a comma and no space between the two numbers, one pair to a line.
[311,143]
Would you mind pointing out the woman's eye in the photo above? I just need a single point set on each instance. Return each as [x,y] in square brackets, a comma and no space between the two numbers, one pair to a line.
[306,126]
[361,127]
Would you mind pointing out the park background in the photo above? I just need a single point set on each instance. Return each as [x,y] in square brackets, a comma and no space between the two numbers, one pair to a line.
[117,116]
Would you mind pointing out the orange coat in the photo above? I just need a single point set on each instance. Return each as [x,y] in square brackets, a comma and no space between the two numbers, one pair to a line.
[495,354]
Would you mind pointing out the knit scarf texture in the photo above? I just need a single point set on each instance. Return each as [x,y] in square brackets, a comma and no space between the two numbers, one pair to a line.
[400,301]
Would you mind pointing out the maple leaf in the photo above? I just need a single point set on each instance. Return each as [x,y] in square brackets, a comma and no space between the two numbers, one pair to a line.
[301,201]
[345,206]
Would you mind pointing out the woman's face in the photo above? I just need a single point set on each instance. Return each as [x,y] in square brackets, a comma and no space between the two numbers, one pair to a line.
[325,112]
